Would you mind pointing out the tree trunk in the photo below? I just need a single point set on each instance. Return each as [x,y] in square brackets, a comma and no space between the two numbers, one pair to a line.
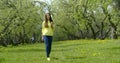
[93,31]
[113,28]
[113,33]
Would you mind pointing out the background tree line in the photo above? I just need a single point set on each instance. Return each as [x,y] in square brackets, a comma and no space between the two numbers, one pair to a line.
[87,19]
[20,20]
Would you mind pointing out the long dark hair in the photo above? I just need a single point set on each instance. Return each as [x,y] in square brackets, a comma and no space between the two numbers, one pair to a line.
[46,20]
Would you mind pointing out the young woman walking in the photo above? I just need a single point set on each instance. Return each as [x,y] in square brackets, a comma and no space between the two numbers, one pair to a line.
[47,33]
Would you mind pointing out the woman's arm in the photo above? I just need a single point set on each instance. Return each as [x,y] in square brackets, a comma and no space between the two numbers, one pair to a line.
[42,32]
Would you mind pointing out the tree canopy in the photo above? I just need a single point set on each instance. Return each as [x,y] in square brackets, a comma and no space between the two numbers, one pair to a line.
[20,20]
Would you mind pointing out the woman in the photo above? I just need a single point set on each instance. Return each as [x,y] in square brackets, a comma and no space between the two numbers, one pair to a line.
[47,33]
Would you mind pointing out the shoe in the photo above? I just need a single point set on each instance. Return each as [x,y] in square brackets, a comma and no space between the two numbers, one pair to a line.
[48,59]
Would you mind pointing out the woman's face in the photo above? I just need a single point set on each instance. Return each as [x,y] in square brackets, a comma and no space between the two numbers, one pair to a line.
[48,16]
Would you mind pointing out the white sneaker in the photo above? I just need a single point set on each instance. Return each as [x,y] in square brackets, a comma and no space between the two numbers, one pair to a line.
[48,59]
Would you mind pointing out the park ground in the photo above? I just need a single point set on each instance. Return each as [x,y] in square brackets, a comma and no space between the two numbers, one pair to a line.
[70,51]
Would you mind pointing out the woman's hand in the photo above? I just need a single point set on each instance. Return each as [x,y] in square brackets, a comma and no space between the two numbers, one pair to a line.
[42,38]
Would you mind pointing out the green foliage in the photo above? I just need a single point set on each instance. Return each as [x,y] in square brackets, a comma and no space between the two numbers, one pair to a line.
[74,19]
[85,18]
[20,19]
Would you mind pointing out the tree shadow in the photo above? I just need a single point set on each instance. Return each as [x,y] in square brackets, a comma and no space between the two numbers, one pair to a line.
[58,50]
[36,50]
[26,50]
[113,48]
[55,58]
[77,57]
[70,57]
[69,45]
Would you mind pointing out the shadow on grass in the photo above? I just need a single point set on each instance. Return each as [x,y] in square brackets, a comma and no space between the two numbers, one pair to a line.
[27,50]
[69,45]
[70,58]
[73,57]
[55,58]
[60,50]
[2,60]
[36,50]
[114,48]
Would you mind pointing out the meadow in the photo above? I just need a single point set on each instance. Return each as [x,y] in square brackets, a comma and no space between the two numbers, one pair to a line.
[70,51]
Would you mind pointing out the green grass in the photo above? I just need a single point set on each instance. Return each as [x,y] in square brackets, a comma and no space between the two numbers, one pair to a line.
[75,51]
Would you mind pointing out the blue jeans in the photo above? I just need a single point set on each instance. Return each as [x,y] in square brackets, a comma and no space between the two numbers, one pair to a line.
[48,43]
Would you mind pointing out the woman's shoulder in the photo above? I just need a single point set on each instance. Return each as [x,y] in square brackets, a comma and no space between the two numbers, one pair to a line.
[43,21]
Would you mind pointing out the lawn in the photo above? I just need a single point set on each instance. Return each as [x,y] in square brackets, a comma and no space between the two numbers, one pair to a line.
[74,51]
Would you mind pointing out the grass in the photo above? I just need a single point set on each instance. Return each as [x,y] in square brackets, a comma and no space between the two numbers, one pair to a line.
[74,51]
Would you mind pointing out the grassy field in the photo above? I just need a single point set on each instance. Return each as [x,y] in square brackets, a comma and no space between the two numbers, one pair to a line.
[75,51]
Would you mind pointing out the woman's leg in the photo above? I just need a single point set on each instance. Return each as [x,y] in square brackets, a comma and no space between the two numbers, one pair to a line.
[48,43]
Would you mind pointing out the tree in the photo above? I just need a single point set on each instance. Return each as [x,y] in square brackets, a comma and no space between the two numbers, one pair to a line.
[19,21]
[87,19]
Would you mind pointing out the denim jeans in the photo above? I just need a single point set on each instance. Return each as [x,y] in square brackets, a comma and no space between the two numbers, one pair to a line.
[48,43]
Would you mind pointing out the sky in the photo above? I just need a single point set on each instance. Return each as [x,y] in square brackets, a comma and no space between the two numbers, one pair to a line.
[47,1]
